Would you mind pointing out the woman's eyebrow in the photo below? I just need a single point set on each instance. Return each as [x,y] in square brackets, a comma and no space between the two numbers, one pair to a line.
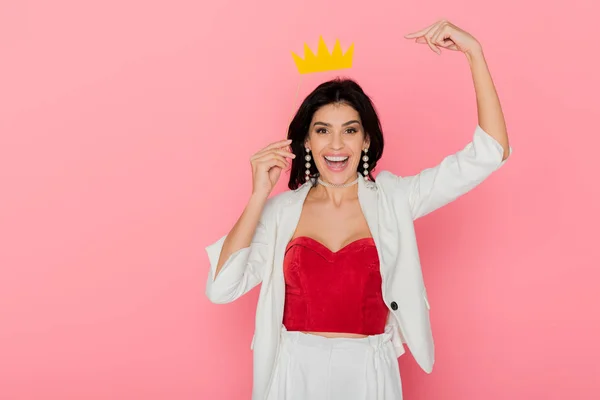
[344,124]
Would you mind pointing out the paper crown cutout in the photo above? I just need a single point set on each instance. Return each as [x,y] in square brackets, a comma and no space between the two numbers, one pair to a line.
[324,61]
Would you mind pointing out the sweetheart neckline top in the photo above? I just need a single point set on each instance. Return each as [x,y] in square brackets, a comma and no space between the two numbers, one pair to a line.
[365,240]
[333,291]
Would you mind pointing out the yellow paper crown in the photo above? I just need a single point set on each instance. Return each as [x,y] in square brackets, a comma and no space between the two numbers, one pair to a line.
[324,61]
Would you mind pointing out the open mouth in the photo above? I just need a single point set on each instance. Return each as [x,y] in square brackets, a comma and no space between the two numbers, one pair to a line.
[336,163]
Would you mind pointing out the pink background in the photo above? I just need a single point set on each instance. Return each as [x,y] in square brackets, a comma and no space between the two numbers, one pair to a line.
[126,129]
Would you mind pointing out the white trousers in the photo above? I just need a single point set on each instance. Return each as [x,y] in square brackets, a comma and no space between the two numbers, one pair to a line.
[312,367]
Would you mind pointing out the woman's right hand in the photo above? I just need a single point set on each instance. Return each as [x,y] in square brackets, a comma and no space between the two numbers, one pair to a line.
[267,165]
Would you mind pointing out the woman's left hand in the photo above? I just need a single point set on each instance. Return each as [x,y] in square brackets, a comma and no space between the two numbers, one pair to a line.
[446,35]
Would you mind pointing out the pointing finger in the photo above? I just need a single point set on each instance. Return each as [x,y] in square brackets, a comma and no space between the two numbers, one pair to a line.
[419,33]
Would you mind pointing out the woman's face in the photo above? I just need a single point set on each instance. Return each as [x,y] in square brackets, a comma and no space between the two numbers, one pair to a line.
[336,139]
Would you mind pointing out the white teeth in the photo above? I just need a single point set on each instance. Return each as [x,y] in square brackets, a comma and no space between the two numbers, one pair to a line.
[336,159]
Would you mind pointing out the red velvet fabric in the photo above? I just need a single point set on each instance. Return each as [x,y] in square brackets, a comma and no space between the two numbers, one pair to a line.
[329,291]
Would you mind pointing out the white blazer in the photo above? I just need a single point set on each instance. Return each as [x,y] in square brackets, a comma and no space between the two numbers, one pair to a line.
[390,205]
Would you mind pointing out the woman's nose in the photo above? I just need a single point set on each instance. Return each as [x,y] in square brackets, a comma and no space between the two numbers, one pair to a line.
[336,142]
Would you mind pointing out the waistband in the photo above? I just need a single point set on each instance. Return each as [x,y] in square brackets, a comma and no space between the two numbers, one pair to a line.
[374,341]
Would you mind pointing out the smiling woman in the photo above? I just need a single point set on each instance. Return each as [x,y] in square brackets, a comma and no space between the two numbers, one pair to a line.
[342,287]
[344,135]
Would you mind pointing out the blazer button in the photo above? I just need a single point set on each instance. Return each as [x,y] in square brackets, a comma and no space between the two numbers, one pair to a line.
[394,305]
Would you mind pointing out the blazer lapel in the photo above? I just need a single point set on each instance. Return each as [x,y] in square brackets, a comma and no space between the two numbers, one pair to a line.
[382,225]
[288,217]
[289,214]
[367,197]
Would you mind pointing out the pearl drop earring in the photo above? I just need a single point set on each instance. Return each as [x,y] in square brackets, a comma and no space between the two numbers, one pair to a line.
[307,165]
[366,165]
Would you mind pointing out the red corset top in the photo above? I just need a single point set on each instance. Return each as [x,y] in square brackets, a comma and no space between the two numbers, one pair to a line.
[329,291]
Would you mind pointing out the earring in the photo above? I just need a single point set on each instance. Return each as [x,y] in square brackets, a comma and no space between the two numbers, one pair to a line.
[366,165]
[307,165]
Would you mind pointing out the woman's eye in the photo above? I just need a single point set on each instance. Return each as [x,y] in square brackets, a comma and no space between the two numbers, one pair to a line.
[351,130]
[321,130]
